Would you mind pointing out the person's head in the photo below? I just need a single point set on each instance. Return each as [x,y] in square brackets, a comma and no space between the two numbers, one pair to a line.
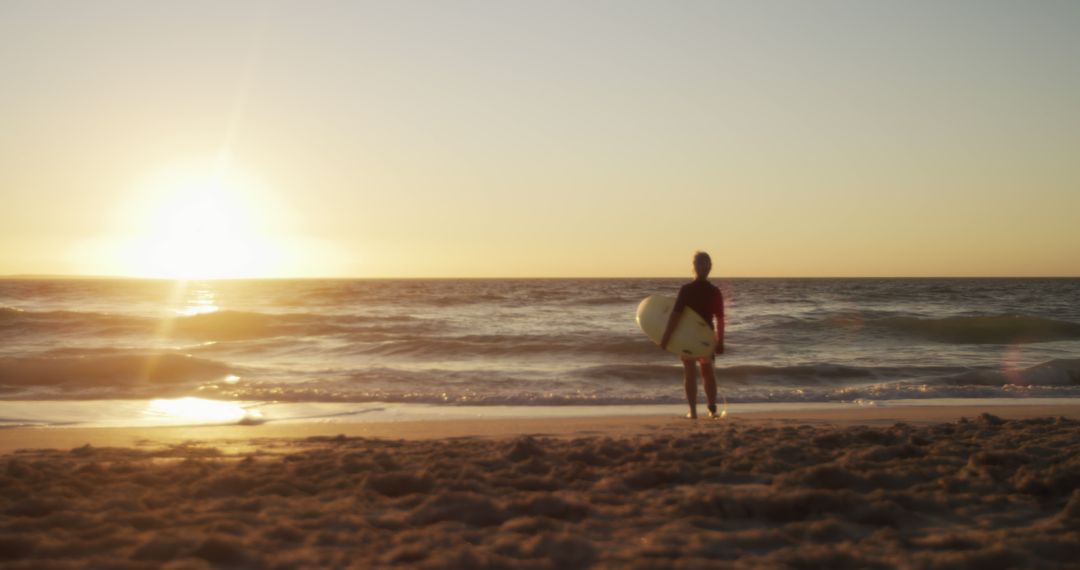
[702,264]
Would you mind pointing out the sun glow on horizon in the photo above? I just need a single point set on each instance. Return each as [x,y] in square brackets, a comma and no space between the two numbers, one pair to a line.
[206,221]
[192,224]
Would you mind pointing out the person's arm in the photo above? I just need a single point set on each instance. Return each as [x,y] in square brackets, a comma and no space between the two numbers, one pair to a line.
[718,311]
[673,320]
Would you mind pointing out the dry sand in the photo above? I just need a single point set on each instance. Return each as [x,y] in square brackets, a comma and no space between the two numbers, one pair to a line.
[909,487]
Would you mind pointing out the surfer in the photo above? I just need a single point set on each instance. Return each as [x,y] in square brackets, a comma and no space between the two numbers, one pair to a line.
[706,300]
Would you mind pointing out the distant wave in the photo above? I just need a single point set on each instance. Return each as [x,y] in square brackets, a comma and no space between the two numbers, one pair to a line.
[634,373]
[985,330]
[21,322]
[220,325]
[75,370]
[991,329]
[609,300]
[240,325]
[502,345]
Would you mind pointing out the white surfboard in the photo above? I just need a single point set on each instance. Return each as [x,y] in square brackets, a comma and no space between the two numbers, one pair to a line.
[692,337]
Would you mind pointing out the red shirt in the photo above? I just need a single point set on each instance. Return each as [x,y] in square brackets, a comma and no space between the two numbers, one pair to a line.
[704,298]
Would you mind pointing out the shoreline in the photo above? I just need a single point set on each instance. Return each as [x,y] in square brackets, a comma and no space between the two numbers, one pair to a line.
[497,424]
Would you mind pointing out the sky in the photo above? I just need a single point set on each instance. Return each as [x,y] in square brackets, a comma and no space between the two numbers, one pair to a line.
[539,139]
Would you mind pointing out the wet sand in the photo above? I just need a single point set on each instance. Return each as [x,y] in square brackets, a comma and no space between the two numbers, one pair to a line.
[916,486]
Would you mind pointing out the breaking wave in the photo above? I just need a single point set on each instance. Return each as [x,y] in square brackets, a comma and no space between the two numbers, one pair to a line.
[120,374]
[1008,329]
[78,371]
[1058,372]
[789,376]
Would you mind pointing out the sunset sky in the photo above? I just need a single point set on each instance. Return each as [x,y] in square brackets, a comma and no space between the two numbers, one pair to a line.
[545,138]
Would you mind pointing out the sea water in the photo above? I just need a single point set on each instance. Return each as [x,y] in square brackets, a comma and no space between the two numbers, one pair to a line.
[527,342]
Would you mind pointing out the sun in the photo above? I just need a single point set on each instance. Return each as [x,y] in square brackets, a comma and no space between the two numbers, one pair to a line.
[201,224]
[200,220]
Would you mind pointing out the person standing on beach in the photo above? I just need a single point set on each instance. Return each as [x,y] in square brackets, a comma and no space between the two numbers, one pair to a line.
[706,300]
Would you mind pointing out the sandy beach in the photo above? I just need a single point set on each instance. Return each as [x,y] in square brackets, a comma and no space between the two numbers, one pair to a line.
[920,487]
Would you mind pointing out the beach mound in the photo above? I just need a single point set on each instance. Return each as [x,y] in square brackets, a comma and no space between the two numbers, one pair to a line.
[981,493]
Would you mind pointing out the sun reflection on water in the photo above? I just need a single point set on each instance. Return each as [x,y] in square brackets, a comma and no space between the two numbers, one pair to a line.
[200,299]
[201,410]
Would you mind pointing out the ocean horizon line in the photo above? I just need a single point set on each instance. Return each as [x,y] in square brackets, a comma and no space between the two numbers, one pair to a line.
[84,277]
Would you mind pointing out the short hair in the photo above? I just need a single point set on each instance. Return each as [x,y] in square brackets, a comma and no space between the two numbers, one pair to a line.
[702,264]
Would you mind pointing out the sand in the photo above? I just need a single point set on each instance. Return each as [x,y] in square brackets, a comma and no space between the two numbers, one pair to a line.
[863,488]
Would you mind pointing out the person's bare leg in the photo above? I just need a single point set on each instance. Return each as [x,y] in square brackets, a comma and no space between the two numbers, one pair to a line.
[690,383]
[708,376]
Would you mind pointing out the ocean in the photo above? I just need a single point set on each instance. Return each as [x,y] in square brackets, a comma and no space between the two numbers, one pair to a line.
[524,342]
